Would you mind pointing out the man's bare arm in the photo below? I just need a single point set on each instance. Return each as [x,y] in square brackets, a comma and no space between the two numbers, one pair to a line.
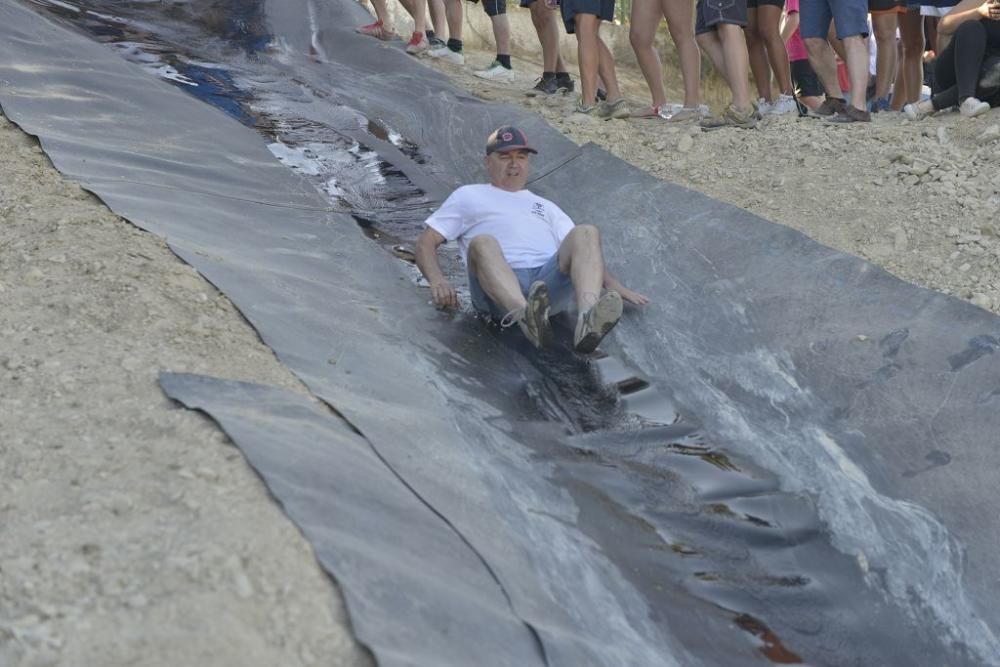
[442,291]
[612,283]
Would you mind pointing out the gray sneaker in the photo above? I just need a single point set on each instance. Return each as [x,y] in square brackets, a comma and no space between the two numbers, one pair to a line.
[596,323]
[732,117]
[616,109]
[534,321]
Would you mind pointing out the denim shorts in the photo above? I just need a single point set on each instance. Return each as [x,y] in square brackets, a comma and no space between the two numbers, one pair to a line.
[710,13]
[849,16]
[560,288]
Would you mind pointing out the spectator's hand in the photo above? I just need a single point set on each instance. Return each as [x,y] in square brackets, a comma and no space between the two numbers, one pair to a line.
[990,10]
[633,297]
[552,4]
[444,294]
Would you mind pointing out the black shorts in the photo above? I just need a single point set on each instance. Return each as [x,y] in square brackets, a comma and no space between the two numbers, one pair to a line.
[603,9]
[886,7]
[710,13]
[753,4]
[495,7]
[805,80]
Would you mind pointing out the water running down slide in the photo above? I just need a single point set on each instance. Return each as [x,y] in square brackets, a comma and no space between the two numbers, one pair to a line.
[837,441]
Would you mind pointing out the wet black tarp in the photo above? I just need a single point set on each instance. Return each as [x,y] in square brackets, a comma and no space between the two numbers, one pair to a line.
[829,486]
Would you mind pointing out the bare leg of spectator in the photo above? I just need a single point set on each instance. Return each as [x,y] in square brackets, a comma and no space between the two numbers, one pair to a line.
[911,71]
[821,59]
[547,28]
[768,27]
[645,20]
[857,69]
[884,27]
[759,66]
[680,18]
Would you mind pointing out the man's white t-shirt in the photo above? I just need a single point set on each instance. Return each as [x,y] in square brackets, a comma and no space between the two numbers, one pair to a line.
[528,228]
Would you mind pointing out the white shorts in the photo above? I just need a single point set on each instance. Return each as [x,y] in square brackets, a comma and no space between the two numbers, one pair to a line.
[929,10]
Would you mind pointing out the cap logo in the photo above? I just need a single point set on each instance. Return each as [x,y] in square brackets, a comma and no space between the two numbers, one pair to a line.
[507,136]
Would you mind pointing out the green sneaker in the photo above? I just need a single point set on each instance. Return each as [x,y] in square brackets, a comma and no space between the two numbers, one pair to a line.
[731,117]
[616,109]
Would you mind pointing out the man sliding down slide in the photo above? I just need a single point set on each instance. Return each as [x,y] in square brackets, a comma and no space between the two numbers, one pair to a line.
[525,257]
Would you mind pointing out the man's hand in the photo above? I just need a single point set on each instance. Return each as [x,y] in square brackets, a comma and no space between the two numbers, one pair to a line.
[990,10]
[444,294]
[633,297]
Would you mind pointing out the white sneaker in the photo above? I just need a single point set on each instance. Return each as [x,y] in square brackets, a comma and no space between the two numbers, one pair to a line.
[918,110]
[784,105]
[972,107]
[593,325]
[447,55]
[683,113]
[496,72]
[763,107]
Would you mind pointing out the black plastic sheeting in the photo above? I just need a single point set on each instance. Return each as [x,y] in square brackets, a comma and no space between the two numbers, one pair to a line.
[826,497]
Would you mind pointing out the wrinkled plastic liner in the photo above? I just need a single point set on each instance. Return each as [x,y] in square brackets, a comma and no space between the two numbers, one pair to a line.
[778,461]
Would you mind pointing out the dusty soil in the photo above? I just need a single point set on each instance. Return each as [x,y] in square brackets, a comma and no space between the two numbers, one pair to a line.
[131,531]
[919,199]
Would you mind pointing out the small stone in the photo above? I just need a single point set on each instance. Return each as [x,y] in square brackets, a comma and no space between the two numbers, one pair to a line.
[991,133]
[952,232]
[942,135]
[965,267]
[58,259]
[685,144]
[900,241]
[138,601]
[981,300]
[862,338]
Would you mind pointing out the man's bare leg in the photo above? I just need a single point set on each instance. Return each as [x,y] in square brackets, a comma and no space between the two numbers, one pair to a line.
[501,33]
[488,265]
[581,258]
[857,69]
[821,59]
[548,36]
[438,20]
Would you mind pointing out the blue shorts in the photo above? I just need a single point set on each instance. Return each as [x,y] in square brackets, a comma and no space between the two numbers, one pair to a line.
[560,288]
[849,16]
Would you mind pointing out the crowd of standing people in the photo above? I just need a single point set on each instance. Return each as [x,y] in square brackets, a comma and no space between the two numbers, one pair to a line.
[838,59]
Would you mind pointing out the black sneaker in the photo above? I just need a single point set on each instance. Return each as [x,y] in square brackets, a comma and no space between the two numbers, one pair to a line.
[437,43]
[602,95]
[564,83]
[544,86]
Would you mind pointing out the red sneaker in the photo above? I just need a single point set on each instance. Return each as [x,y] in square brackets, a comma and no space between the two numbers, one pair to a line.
[418,44]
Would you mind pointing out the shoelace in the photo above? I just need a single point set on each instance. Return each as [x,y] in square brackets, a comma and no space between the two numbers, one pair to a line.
[511,318]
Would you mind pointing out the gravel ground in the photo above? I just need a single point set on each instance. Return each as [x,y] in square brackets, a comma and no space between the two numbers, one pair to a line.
[131,531]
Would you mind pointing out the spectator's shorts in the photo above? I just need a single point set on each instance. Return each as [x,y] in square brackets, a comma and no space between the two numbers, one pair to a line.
[931,10]
[754,4]
[528,3]
[877,7]
[805,80]
[849,16]
[603,9]
[710,13]
[560,288]
[494,7]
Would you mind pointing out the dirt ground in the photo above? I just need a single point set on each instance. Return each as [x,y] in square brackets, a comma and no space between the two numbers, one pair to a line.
[919,199]
[131,531]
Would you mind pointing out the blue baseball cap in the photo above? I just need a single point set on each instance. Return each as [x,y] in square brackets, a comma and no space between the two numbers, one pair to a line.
[508,138]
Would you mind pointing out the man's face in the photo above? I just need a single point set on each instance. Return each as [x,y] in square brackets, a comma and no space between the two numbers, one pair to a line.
[508,170]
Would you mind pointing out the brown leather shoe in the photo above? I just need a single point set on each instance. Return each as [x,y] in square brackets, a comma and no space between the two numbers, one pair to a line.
[830,106]
[850,114]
